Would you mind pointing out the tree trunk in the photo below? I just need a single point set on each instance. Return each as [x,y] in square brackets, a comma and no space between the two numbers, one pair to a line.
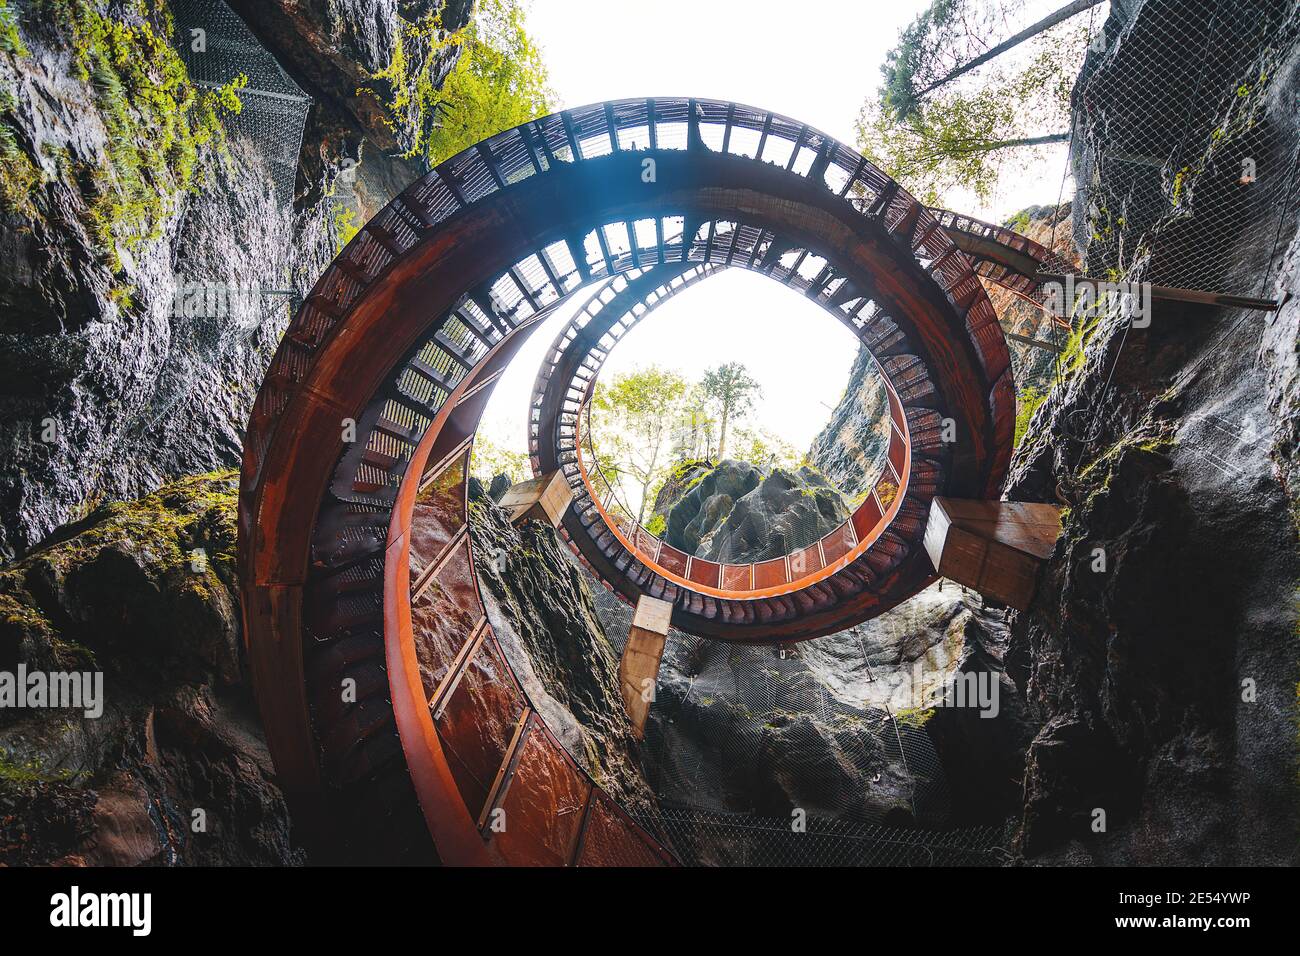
[722,435]
[1067,11]
[645,486]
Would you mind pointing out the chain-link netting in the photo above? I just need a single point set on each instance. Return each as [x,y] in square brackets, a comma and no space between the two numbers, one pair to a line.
[711,838]
[750,707]
[217,46]
[836,728]
[1179,175]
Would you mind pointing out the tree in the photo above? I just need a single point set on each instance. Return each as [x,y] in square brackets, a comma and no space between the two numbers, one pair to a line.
[1046,23]
[964,134]
[734,390]
[489,459]
[634,421]
[693,437]
[498,81]
[767,450]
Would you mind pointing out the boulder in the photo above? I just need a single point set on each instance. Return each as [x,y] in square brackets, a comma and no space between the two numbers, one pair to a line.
[741,513]
[175,770]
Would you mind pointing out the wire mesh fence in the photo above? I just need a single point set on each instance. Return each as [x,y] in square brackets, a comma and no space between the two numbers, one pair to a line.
[747,732]
[709,838]
[1179,175]
[217,46]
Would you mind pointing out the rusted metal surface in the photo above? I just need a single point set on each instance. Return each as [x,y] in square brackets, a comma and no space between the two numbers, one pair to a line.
[406,333]
[568,374]
[561,398]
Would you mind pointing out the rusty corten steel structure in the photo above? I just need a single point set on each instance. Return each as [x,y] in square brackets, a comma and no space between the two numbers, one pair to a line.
[391,712]
[561,401]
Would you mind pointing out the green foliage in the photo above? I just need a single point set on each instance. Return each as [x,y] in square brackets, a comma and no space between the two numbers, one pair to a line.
[345,225]
[499,81]
[1019,222]
[964,133]
[19,176]
[10,41]
[1074,355]
[160,530]
[918,57]
[915,716]
[694,438]
[759,447]
[489,459]
[157,120]
[28,772]
[632,425]
[1027,402]
[733,390]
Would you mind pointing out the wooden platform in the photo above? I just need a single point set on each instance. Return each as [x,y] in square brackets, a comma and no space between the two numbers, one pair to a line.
[995,547]
[545,498]
[638,671]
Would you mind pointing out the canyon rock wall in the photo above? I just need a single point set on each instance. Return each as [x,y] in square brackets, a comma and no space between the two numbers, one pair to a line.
[107,388]
[1161,655]
[175,770]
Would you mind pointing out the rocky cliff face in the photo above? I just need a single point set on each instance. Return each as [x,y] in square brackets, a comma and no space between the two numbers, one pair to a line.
[541,610]
[1161,656]
[851,449]
[737,512]
[1053,228]
[845,727]
[120,187]
[174,770]
[335,49]
[119,190]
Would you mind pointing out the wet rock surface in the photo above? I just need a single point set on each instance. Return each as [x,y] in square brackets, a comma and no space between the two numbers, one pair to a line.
[1161,655]
[333,49]
[764,730]
[107,391]
[850,451]
[541,610]
[175,769]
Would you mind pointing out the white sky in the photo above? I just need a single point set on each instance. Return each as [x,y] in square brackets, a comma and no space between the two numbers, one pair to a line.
[816,62]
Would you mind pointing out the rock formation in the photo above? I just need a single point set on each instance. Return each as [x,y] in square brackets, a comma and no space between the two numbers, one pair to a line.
[739,513]
[1160,657]
[109,388]
[542,613]
[851,449]
[175,770]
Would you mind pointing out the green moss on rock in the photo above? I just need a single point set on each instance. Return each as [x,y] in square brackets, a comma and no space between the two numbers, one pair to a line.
[157,120]
[140,553]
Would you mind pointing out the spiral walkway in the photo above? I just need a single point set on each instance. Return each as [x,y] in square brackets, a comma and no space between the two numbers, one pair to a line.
[392,715]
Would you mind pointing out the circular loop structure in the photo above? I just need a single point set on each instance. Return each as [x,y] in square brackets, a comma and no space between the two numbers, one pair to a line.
[354,545]
[632,560]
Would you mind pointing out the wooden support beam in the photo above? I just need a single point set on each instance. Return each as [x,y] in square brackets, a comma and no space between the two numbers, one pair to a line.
[995,547]
[638,671]
[542,499]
